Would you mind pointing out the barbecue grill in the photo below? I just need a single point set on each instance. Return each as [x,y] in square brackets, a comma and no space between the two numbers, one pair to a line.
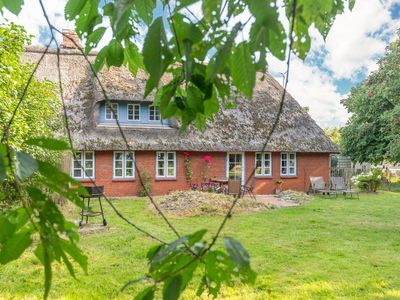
[93,192]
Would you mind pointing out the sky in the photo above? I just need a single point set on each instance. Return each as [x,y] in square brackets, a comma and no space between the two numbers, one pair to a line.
[355,43]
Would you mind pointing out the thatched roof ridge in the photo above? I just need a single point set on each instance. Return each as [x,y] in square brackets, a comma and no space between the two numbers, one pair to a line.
[241,129]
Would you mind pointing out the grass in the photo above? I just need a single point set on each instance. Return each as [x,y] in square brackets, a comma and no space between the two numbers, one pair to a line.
[326,248]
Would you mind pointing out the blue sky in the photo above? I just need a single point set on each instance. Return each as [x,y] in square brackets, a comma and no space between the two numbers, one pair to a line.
[354,45]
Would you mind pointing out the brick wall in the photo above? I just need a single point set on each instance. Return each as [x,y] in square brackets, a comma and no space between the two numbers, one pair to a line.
[308,164]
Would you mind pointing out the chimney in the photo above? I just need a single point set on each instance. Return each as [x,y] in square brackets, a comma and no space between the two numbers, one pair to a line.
[69,35]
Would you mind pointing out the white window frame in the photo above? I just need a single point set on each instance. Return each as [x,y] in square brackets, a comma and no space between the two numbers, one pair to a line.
[115,108]
[263,166]
[133,106]
[165,168]
[158,110]
[83,164]
[124,160]
[287,167]
[243,164]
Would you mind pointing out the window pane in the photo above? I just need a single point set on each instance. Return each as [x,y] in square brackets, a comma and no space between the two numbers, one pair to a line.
[129,164]
[78,155]
[171,172]
[160,156]
[77,164]
[89,164]
[129,172]
[118,172]
[283,171]
[129,155]
[258,171]
[118,156]
[266,156]
[292,172]
[118,164]
[89,172]
[267,171]
[284,156]
[284,163]
[171,156]
[291,163]
[291,155]
[88,155]
[77,173]
[161,172]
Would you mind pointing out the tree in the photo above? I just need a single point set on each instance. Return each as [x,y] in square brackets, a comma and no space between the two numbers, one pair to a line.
[334,135]
[39,115]
[210,63]
[372,133]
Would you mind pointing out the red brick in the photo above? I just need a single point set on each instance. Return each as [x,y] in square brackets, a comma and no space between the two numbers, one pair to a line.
[308,164]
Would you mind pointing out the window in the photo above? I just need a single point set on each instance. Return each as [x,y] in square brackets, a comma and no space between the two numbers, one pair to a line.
[154,113]
[83,165]
[133,112]
[235,166]
[166,164]
[288,164]
[112,111]
[263,164]
[123,164]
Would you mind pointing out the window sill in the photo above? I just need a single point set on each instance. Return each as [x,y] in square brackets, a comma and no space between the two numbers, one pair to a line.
[289,176]
[166,179]
[263,177]
[84,179]
[123,179]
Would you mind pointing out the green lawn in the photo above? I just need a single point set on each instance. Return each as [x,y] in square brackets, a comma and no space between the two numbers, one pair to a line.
[326,248]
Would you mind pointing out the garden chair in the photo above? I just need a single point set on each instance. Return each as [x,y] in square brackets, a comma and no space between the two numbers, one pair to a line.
[317,185]
[250,188]
[234,187]
[338,185]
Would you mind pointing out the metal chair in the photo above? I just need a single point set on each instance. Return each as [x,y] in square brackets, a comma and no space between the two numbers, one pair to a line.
[338,184]
[317,185]
[92,192]
[250,188]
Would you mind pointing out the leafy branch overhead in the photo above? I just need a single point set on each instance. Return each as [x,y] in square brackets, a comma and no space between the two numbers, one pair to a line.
[208,50]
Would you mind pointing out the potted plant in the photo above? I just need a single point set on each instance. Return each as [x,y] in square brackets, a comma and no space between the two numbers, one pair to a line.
[279,185]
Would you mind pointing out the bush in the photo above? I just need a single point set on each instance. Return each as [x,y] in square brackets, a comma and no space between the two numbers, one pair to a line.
[368,182]
[147,185]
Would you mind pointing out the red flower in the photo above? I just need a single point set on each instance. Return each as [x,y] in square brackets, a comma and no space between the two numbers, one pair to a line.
[186,154]
[207,159]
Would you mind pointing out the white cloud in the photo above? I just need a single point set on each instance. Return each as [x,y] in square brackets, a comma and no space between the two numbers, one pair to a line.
[313,88]
[358,37]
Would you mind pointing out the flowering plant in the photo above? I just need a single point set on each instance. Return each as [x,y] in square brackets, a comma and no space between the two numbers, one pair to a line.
[208,159]
[188,167]
[368,181]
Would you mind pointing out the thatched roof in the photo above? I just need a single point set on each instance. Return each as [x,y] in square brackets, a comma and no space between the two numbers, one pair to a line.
[241,129]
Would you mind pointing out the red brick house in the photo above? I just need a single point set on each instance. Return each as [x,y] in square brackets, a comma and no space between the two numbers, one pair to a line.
[298,148]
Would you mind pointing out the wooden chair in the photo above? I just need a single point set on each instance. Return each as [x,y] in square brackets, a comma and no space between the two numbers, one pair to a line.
[250,188]
[234,187]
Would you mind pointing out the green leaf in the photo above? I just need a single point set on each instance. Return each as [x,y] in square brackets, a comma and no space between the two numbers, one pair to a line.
[94,39]
[211,105]
[243,71]
[133,57]
[196,237]
[237,252]
[75,253]
[223,54]
[115,54]
[351,4]
[163,98]
[4,163]
[156,54]
[144,9]
[146,294]
[14,6]
[25,164]
[15,246]
[47,272]
[211,9]
[172,288]
[48,143]
[122,11]
[73,8]
[89,17]
[100,59]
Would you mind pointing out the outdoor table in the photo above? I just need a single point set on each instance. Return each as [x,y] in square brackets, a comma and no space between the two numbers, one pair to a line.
[221,182]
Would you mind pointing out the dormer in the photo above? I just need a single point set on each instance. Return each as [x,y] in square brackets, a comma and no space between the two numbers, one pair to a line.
[131,113]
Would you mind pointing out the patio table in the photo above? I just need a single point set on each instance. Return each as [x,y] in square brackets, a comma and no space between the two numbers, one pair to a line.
[222,184]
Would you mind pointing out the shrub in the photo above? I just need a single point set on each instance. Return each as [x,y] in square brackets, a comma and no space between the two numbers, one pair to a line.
[368,182]
[147,185]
